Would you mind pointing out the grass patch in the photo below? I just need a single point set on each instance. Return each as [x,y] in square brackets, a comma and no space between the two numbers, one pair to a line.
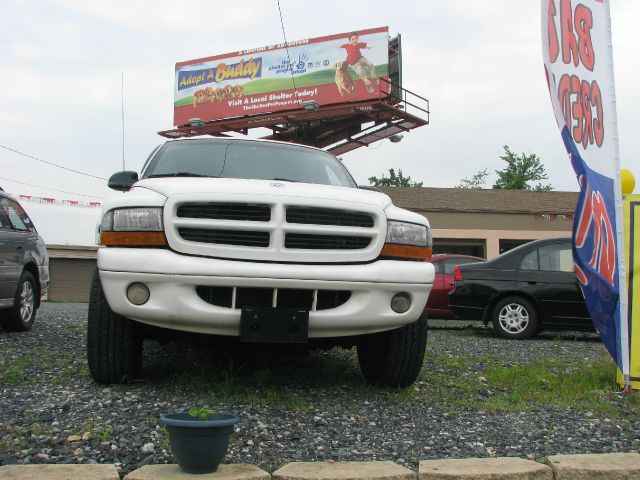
[29,367]
[493,384]
[12,375]
[553,383]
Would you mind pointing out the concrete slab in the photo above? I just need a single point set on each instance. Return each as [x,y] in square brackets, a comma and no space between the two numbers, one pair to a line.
[343,471]
[484,469]
[59,472]
[596,466]
[172,472]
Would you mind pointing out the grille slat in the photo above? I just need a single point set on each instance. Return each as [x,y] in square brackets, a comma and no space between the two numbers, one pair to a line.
[225,237]
[226,211]
[325,242]
[263,297]
[328,216]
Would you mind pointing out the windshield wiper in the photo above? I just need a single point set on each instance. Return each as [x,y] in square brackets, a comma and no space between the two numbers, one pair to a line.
[284,179]
[179,174]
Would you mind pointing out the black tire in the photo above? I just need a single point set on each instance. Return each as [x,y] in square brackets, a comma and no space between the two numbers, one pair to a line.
[20,318]
[515,318]
[114,343]
[394,358]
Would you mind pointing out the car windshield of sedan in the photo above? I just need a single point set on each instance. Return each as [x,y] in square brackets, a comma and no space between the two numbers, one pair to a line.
[247,159]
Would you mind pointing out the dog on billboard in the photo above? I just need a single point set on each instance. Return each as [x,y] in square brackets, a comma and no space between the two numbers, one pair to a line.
[344,80]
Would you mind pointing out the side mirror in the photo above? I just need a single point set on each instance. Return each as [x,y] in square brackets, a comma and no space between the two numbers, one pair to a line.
[123,181]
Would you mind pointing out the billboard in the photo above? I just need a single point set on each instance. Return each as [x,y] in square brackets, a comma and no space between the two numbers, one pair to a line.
[578,60]
[338,68]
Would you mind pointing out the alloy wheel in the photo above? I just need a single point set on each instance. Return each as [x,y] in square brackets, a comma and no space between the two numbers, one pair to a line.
[27,301]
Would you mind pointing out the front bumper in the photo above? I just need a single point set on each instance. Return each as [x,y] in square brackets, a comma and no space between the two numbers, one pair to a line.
[172,280]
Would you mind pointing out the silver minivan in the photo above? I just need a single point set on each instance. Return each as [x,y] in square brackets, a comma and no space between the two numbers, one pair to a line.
[24,266]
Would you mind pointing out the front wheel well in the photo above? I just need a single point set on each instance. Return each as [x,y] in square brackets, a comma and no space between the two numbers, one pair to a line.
[491,304]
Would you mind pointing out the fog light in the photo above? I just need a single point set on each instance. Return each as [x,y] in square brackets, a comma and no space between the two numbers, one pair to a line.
[401,302]
[138,293]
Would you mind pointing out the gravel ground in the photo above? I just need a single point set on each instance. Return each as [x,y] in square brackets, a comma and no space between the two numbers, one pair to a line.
[293,407]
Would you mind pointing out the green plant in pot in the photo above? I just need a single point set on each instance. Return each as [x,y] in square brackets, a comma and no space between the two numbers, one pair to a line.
[199,439]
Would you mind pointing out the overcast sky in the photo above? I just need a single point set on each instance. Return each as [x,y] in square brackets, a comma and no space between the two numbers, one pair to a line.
[479,64]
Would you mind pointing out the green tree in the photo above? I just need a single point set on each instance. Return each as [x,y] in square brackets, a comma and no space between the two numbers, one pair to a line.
[521,170]
[476,182]
[394,180]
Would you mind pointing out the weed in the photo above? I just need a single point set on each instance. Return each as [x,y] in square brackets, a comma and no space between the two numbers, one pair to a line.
[295,403]
[405,395]
[105,434]
[164,438]
[12,375]
[547,441]
[89,425]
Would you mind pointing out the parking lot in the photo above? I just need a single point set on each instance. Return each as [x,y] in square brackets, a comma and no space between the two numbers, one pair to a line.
[478,395]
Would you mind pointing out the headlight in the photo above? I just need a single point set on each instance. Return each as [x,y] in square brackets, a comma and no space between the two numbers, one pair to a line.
[133,227]
[403,233]
[132,220]
[407,241]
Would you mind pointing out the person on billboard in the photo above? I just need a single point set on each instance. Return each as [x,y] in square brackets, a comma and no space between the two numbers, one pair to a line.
[362,66]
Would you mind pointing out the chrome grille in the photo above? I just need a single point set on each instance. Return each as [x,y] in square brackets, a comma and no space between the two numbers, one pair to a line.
[328,216]
[239,297]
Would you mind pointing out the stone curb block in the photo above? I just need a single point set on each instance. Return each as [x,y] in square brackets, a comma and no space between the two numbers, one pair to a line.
[241,471]
[613,466]
[610,466]
[511,468]
[59,472]
[343,471]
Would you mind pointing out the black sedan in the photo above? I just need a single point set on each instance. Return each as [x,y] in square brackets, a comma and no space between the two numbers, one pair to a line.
[522,291]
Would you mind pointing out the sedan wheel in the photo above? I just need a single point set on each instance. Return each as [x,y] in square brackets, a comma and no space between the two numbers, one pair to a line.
[26,301]
[515,317]
[20,318]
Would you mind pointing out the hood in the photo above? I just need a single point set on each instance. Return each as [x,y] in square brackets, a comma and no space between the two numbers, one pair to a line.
[171,186]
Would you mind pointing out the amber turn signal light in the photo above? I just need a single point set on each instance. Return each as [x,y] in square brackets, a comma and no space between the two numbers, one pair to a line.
[406,252]
[133,239]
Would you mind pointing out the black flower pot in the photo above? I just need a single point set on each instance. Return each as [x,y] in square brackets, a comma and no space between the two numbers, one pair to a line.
[199,445]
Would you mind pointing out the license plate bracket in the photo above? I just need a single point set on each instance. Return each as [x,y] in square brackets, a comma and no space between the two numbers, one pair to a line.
[274,325]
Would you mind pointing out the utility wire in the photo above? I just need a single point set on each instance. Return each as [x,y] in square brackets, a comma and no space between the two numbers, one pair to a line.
[51,163]
[286,45]
[49,188]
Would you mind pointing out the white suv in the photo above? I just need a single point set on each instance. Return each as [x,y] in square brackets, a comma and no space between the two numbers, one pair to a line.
[263,241]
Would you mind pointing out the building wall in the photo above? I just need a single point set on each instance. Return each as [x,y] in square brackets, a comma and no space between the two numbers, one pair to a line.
[70,279]
[70,270]
[491,228]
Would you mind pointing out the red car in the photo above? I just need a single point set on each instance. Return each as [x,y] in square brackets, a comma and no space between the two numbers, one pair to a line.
[438,303]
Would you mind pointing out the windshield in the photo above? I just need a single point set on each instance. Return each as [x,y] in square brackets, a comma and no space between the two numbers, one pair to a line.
[247,159]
